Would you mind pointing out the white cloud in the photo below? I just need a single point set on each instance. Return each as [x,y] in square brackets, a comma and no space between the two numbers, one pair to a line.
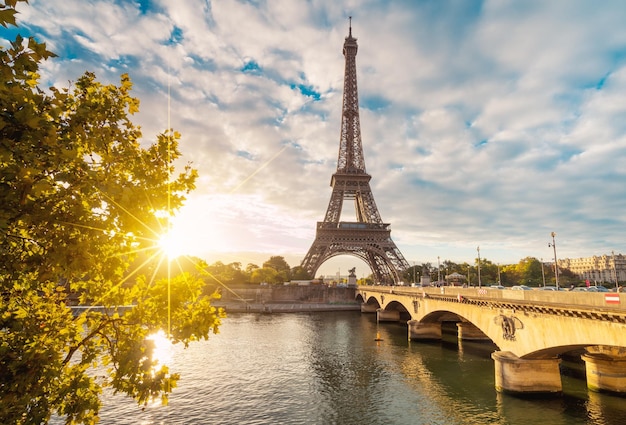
[484,123]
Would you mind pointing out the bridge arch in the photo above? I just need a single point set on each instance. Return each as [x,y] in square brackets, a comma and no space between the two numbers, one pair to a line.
[530,328]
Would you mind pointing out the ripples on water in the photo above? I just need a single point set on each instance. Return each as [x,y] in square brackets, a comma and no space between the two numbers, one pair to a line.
[326,368]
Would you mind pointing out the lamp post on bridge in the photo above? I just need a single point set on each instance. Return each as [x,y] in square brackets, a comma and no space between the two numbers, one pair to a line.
[543,275]
[556,266]
[615,273]
[438,271]
[478,249]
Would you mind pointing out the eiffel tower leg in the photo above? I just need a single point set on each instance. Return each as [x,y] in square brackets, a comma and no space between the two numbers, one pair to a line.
[314,258]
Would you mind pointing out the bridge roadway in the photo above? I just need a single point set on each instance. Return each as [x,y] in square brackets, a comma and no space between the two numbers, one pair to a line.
[530,328]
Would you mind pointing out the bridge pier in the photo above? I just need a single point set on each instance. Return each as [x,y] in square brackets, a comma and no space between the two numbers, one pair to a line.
[368,308]
[469,332]
[383,315]
[424,331]
[524,376]
[606,369]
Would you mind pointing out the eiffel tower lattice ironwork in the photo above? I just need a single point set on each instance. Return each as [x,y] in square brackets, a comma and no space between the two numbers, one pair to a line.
[368,237]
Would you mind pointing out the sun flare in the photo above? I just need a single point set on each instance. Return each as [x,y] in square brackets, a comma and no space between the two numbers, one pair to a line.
[162,353]
[172,245]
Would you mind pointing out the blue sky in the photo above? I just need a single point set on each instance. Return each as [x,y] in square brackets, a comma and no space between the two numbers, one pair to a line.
[484,123]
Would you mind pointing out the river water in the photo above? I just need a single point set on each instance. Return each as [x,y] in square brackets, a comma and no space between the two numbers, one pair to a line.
[327,368]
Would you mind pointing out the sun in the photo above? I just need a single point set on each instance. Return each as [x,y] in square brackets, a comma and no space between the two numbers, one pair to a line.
[172,245]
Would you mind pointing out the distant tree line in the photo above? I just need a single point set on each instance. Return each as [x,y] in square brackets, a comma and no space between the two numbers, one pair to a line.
[529,271]
[276,271]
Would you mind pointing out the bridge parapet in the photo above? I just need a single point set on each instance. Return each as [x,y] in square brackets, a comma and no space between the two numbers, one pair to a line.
[604,300]
[590,305]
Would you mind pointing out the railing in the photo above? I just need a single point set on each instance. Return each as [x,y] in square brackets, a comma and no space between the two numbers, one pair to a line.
[352,225]
[601,301]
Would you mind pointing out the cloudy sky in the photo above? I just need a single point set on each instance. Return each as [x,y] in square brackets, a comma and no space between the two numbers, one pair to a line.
[484,123]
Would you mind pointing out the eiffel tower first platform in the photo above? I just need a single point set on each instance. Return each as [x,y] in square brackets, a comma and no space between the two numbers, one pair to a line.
[368,237]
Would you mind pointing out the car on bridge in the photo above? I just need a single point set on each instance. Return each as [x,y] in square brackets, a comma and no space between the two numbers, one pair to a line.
[550,288]
[600,289]
[590,289]
[497,287]
[521,288]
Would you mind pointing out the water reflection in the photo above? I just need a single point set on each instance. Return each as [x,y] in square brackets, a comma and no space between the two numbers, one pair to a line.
[606,409]
[162,351]
[327,368]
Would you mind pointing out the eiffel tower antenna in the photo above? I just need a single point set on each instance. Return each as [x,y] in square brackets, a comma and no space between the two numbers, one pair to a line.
[367,238]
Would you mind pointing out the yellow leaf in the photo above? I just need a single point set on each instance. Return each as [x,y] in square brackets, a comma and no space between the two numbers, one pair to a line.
[20,313]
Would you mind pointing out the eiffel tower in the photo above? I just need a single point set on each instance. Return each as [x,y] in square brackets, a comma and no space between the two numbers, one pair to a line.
[368,237]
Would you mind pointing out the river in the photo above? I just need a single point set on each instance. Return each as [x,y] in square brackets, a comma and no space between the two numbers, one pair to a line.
[327,368]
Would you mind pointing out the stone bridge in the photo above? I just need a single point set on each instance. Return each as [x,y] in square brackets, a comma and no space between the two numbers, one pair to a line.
[530,328]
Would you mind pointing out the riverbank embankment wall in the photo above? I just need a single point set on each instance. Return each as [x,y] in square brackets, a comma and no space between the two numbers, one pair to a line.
[289,294]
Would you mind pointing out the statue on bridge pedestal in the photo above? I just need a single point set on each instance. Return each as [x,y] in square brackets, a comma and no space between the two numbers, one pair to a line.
[352,277]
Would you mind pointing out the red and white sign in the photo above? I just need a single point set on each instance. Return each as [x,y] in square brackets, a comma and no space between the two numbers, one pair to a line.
[611,298]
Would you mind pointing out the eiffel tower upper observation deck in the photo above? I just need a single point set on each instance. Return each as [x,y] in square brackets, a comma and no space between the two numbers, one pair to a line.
[368,237]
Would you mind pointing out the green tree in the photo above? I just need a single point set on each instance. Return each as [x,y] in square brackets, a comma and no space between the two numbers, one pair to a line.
[265,274]
[299,273]
[221,274]
[279,264]
[488,272]
[568,278]
[250,268]
[412,274]
[509,275]
[79,196]
[529,272]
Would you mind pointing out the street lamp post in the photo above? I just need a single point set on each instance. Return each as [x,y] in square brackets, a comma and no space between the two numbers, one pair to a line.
[615,273]
[543,275]
[478,249]
[438,271]
[556,266]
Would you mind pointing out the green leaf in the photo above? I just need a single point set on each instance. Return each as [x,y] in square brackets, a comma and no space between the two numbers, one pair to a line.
[7,17]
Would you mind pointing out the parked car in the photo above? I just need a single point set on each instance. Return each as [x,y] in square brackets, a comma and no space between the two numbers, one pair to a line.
[550,288]
[521,288]
[497,287]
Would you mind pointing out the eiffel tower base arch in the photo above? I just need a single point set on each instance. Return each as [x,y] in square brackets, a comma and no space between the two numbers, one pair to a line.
[371,242]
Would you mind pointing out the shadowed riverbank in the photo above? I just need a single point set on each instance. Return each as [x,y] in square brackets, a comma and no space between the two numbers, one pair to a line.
[285,307]
[287,299]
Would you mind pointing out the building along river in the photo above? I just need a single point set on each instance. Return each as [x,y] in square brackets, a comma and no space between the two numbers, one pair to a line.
[327,368]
